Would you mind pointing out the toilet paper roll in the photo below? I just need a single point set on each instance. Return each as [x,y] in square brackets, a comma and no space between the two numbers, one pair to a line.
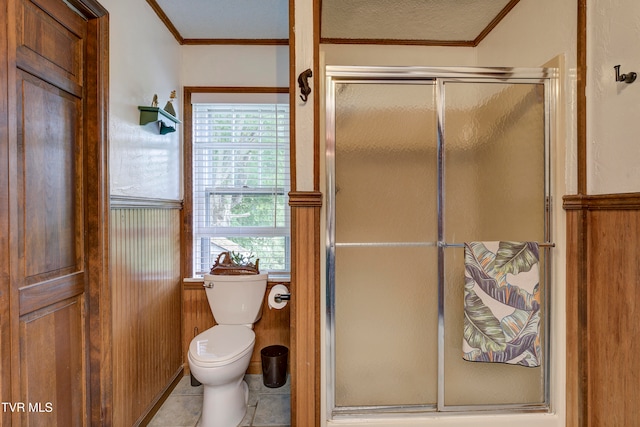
[277,290]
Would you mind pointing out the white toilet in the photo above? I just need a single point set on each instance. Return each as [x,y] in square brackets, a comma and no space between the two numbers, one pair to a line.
[219,356]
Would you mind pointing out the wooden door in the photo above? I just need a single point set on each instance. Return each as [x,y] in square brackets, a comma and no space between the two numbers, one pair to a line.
[48,312]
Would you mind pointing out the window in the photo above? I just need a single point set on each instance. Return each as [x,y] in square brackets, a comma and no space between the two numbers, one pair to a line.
[241,180]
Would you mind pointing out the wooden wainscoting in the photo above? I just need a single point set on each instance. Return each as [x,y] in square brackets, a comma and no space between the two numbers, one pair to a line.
[603,310]
[146,304]
[271,329]
[305,312]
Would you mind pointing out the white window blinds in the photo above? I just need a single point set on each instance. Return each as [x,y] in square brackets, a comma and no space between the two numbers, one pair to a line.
[241,183]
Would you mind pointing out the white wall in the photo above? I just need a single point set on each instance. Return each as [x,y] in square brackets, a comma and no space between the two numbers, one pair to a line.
[531,34]
[613,125]
[266,66]
[144,60]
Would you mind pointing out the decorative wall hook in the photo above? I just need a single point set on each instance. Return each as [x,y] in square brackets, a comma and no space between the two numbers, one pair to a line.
[303,82]
[627,78]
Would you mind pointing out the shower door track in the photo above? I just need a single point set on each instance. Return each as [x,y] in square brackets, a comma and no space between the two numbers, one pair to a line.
[431,76]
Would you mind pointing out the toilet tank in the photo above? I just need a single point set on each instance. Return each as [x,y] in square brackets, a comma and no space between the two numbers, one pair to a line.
[236,300]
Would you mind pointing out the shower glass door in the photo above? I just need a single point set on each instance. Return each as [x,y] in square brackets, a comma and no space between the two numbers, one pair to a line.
[386,350]
[494,188]
[419,161]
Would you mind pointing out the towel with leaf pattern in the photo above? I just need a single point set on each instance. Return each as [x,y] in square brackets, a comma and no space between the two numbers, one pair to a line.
[502,303]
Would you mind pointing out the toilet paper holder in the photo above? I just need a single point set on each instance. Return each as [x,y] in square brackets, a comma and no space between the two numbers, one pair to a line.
[281,297]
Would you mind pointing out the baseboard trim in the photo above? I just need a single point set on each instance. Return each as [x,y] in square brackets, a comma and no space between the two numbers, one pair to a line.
[161,398]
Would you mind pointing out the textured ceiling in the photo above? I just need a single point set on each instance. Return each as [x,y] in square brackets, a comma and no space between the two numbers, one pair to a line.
[448,21]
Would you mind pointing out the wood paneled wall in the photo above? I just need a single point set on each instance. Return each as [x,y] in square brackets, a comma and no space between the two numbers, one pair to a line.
[146,305]
[603,310]
[271,329]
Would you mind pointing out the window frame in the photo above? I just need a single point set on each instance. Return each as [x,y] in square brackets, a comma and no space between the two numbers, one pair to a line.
[188,203]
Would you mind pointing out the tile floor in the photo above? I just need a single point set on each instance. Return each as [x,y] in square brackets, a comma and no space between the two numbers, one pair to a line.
[267,407]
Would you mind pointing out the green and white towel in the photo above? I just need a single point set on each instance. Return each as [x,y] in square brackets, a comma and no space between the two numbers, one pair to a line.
[502,303]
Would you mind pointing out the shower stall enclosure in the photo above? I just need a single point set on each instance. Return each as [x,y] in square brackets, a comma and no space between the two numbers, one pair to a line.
[418,162]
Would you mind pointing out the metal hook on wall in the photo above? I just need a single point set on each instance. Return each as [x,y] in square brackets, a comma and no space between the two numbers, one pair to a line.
[627,78]
[303,82]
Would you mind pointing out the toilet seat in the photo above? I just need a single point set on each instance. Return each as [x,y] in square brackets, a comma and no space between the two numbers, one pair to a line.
[221,345]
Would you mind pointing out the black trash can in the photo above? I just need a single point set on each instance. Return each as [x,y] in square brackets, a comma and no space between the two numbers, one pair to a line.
[274,365]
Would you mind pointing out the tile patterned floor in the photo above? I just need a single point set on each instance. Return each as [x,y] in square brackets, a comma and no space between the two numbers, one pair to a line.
[267,407]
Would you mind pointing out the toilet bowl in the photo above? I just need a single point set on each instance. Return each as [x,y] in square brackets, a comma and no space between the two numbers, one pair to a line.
[219,358]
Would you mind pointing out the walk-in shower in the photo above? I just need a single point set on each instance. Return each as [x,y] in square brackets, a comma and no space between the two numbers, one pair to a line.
[418,162]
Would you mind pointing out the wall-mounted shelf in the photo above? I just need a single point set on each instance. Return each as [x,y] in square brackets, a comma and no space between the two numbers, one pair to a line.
[155,114]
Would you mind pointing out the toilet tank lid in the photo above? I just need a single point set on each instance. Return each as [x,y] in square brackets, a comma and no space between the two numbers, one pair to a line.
[221,344]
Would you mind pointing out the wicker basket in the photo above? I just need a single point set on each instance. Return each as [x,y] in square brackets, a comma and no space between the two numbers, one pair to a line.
[225,266]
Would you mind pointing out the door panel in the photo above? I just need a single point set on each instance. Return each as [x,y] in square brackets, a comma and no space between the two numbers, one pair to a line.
[52,201]
[50,43]
[53,364]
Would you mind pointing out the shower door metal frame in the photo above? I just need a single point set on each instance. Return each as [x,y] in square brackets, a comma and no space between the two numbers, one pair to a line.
[437,76]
